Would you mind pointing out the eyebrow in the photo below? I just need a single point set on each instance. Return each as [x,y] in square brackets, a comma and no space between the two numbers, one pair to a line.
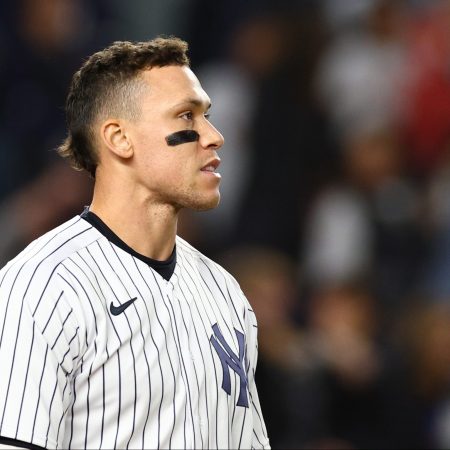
[193,102]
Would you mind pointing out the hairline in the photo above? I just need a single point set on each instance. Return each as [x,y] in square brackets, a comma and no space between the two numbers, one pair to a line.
[126,106]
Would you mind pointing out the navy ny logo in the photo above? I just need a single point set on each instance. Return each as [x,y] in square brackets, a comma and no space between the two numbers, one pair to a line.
[230,360]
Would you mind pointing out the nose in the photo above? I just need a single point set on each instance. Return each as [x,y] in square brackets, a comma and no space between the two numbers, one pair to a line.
[210,137]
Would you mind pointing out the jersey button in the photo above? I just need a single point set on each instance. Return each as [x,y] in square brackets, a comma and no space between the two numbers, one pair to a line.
[169,289]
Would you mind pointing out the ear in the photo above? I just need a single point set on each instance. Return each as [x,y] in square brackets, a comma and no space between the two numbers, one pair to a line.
[115,137]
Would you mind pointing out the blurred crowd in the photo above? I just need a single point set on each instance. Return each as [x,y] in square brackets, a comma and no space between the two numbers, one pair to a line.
[335,211]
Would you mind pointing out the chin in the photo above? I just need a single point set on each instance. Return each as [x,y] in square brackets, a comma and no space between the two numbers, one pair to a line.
[205,204]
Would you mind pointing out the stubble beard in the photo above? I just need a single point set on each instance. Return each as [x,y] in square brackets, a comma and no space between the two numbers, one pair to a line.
[198,202]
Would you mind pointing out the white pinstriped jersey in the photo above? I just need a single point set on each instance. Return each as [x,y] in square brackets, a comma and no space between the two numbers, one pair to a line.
[97,350]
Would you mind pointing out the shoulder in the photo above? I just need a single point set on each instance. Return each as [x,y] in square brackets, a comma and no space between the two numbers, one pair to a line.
[212,273]
[186,250]
[55,245]
[33,294]
[30,271]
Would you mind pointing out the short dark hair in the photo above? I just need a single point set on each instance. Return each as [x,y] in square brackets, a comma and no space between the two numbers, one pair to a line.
[107,84]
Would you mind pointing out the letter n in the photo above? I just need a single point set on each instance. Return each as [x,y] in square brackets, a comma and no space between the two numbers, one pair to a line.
[229,360]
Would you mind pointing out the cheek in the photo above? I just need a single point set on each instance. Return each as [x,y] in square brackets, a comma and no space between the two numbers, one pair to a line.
[159,164]
[165,168]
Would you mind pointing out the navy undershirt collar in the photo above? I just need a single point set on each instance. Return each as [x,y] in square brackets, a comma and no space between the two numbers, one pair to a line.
[164,268]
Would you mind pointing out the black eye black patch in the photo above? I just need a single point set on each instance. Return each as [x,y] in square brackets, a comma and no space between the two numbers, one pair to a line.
[182,137]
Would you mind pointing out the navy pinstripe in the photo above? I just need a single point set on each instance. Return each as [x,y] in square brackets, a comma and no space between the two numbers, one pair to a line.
[147,377]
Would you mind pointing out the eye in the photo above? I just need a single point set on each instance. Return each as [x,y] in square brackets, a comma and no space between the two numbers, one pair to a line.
[187,115]
[207,116]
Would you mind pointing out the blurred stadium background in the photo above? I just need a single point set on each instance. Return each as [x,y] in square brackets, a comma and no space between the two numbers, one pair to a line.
[335,213]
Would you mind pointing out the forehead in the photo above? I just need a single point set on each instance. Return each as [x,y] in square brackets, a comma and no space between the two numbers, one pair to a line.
[171,85]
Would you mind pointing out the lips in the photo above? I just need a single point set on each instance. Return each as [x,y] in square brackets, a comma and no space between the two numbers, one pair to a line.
[211,166]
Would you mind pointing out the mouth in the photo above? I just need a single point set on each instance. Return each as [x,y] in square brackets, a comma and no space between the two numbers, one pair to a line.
[211,166]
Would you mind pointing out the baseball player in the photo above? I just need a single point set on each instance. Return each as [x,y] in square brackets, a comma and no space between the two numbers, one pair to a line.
[115,332]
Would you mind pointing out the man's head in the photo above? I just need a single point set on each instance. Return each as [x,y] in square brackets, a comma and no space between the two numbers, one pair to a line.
[108,85]
[138,122]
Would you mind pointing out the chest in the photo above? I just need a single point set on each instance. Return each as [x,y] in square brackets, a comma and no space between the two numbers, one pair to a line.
[182,337]
[165,359]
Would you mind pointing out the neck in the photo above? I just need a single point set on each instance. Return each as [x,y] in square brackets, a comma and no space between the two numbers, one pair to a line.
[146,226]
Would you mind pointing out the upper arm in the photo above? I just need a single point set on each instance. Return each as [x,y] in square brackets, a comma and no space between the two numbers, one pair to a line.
[37,359]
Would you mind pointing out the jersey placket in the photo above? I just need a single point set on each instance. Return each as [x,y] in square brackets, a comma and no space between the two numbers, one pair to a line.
[181,321]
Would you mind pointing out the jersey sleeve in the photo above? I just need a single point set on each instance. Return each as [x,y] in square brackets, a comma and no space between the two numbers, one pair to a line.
[260,438]
[40,346]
